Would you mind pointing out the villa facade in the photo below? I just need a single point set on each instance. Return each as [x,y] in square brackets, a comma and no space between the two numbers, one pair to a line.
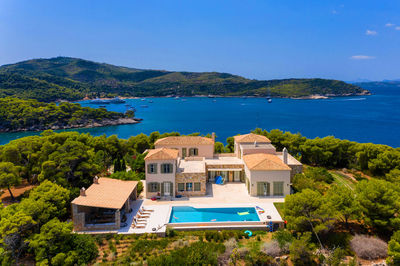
[183,165]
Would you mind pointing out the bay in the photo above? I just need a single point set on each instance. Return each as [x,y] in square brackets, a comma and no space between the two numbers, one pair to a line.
[374,118]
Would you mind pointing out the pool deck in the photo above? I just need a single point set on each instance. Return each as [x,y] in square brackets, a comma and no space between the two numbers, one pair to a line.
[218,196]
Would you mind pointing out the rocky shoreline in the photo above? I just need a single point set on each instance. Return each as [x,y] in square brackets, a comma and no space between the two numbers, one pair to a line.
[89,124]
[308,97]
[327,96]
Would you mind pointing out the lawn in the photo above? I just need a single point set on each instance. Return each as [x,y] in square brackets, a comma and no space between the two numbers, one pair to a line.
[279,206]
[343,180]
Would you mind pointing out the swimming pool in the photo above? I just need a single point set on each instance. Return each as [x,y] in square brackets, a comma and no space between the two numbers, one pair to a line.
[188,214]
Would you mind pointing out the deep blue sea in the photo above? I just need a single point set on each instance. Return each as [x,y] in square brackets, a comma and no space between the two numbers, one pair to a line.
[374,118]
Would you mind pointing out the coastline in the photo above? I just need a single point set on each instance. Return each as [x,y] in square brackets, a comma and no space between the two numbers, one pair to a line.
[103,123]
[308,97]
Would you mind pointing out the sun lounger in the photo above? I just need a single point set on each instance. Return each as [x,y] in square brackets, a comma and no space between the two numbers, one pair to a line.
[143,213]
[136,225]
[147,210]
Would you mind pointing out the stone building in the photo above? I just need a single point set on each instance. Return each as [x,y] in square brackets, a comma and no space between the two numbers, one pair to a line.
[102,206]
[184,165]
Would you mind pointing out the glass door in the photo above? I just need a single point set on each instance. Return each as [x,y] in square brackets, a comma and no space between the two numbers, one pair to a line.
[167,189]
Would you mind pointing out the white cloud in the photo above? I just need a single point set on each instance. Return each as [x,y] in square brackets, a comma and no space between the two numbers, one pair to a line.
[362,57]
[371,32]
[397,28]
[334,12]
[389,24]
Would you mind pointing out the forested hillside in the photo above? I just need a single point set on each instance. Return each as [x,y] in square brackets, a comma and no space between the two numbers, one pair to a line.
[72,79]
[35,227]
[19,115]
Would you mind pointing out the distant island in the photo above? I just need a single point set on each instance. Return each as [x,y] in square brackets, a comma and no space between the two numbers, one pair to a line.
[65,78]
[23,115]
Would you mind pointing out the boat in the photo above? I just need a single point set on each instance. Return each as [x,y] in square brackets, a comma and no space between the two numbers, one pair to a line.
[177,97]
[103,106]
[144,106]
[151,101]
[210,96]
[143,99]
[98,101]
[269,97]
[117,100]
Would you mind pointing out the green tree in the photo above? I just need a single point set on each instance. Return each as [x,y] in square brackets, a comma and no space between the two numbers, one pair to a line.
[46,202]
[56,244]
[308,211]
[394,249]
[230,146]
[15,229]
[379,204]
[9,176]
[218,147]
[343,199]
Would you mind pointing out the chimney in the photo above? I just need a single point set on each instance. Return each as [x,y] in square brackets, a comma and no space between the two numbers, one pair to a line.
[83,192]
[96,180]
[285,155]
[213,136]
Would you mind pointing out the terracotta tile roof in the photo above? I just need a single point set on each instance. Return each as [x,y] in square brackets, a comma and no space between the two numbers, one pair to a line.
[185,140]
[162,154]
[108,193]
[264,161]
[251,138]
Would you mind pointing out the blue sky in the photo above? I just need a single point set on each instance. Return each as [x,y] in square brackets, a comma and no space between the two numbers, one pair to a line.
[344,40]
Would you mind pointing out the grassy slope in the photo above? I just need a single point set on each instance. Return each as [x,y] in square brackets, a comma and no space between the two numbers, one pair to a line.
[72,78]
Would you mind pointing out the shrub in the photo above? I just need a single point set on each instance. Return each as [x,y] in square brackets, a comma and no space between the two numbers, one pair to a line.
[170,232]
[335,257]
[230,244]
[272,248]
[284,238]
[199,253]
[301,250]
[259,258]
[367,247]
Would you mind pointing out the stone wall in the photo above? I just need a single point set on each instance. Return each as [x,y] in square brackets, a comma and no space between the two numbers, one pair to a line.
[191,178]
[296,169]
[78,218]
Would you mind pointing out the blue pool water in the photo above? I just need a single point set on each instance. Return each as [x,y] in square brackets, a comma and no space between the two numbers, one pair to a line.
[187,214]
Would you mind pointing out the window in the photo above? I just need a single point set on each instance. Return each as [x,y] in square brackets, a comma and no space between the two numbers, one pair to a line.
[152,168]
[263,189]
[181,187]
[189,186]
[278,188]
[153,187]
[197,186]
[193,152]
[184,151]
[166,168]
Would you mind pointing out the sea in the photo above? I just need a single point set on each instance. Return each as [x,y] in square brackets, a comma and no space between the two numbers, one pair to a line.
[374,118]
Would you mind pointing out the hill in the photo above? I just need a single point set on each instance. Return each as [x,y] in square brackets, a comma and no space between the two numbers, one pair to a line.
[72,79]
[379,84]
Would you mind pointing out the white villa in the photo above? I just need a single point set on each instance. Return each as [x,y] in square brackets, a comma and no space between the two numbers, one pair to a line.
[253,177]
[183,165]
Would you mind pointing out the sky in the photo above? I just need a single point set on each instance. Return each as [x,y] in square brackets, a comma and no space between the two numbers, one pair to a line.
[346,40]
